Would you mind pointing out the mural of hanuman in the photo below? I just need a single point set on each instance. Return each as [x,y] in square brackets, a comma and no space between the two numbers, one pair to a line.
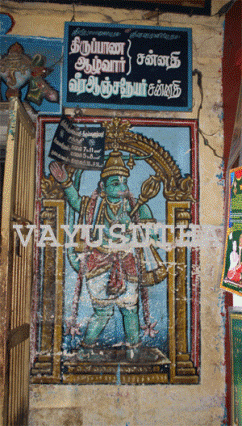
[113,276]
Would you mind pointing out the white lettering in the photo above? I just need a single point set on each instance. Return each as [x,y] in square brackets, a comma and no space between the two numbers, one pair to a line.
[96,243]
[153,59]
[119,236]
[143,235]
[85,48]
[47,229]
[25,241]
[105,88]
[167,236]
[169,91]
[98,66]
[71,236]
[140,238]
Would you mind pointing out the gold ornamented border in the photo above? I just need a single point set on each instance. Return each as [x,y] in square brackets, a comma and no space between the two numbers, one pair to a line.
[178,193]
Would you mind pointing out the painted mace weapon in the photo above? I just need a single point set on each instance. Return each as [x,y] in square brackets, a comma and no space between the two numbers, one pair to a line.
[149,189]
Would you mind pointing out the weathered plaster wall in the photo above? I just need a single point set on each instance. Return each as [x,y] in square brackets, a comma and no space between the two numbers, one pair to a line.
[201,404]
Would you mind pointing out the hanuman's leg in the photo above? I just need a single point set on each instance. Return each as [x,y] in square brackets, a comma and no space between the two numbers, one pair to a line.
[97,323]
[131,325]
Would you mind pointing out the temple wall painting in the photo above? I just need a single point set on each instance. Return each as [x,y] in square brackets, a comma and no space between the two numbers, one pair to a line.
[61,390]
[132,314]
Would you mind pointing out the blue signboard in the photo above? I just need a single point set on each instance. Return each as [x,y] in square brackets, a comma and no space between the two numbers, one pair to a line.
[131,67]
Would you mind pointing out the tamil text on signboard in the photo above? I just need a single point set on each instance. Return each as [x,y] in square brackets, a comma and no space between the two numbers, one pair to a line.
[81,147]
[134,67]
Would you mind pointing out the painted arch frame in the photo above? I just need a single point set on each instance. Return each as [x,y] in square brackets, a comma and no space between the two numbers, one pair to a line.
[181,194]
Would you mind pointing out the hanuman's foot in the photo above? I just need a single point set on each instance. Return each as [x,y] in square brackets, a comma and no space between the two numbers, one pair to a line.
[91,354]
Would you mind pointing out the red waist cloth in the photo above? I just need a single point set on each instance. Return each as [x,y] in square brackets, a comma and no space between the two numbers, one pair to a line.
[119,264]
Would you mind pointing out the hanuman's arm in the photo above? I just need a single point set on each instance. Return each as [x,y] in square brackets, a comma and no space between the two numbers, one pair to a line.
[60,174]
[71,195]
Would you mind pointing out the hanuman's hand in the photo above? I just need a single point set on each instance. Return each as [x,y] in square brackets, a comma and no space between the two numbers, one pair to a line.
[149,329]
[58,171]
[72,327]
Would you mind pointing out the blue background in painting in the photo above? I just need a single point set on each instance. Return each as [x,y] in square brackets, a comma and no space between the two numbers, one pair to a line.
[52,49]
[176,140]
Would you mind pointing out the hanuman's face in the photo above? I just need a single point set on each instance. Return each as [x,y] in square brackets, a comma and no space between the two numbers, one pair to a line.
[116,187]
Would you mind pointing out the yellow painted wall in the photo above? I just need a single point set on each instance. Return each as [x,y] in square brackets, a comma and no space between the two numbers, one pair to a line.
[163,405]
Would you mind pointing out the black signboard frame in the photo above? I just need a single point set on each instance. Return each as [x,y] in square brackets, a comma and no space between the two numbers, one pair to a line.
[192,7]
[127,67]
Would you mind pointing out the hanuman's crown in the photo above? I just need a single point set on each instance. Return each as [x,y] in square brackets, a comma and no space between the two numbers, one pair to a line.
[114,166]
